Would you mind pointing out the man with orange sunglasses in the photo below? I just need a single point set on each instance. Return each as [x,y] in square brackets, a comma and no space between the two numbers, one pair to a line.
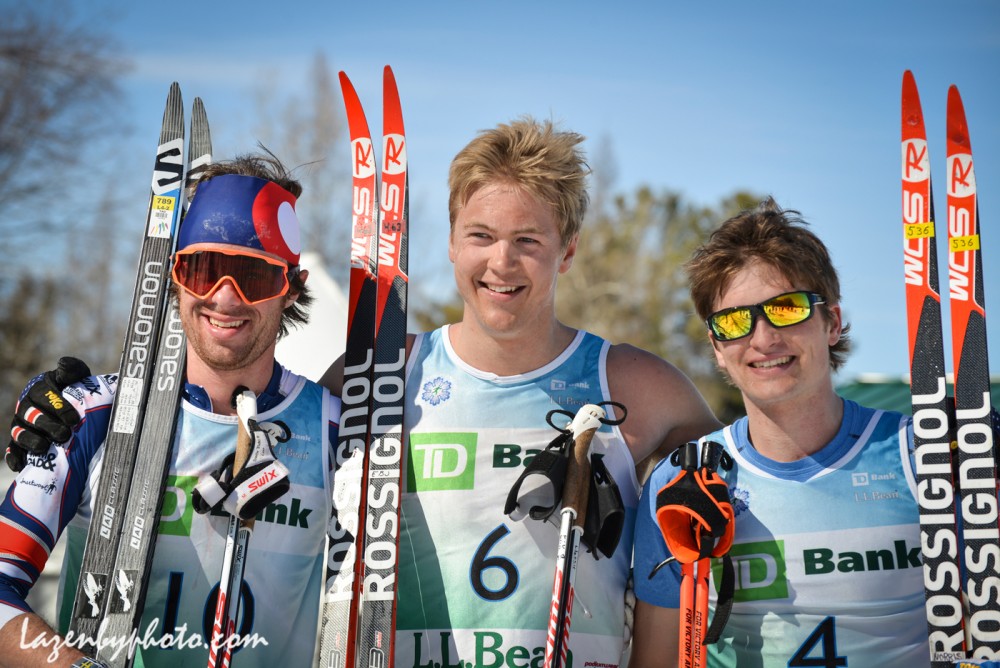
[238,287]
[817,483]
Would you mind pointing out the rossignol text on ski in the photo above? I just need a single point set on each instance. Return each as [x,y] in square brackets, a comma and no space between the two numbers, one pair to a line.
[360,593]
[337,639]
[977,480]
[956,631]
[936,497]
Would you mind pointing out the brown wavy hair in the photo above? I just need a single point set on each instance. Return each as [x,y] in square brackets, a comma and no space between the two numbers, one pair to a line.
[778,238]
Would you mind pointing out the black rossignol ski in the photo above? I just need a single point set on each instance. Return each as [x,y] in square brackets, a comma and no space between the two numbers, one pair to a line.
[128,411]
[360,602]
[145,499]
[977,479]
[936,497]
[340,600]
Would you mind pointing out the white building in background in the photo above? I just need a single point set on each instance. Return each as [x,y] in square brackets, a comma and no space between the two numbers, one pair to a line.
[310,350]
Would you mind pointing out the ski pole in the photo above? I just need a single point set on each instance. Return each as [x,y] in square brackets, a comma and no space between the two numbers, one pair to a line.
[703,567]
[690,639]
[695,515]
[237,540]
[687,616]
[576,493]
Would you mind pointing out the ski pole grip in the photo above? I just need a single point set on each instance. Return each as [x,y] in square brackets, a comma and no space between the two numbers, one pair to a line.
[576,492]
[242,449]
[246,408]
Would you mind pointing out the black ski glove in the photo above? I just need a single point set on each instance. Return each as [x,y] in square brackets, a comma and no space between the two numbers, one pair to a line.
[42,416]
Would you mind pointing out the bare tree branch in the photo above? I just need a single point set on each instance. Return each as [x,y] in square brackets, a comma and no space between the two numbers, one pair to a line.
[58,89]
[58,85]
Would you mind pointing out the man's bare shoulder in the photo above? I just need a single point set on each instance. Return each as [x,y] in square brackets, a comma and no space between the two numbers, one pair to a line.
[665,408]
[641,365]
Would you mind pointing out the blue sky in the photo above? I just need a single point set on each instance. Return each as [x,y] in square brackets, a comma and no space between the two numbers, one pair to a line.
[795,99]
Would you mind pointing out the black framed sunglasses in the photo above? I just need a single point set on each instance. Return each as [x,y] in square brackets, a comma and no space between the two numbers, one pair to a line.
[785,310]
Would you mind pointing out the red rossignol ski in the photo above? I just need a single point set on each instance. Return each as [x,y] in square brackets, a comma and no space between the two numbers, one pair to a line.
[337,633]
[977,479]
[935,491]
[360,600]
[380,547]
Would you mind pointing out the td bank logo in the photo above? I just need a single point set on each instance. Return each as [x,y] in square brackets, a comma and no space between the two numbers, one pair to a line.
[441,461]
[760,571]
[178,509]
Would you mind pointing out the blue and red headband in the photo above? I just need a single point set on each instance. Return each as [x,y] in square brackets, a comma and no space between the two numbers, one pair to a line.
[243,211]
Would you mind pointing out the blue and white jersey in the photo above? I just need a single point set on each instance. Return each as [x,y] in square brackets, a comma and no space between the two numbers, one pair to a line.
[826,550]
[475,586]
[283,578]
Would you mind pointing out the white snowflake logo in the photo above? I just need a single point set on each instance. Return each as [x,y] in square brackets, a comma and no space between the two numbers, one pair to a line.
[741,501]
[436,390]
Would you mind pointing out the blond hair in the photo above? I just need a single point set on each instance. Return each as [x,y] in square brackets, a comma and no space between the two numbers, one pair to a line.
[533,155]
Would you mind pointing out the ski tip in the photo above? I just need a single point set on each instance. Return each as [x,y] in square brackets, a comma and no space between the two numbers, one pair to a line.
[909,85]
[393,119]
[174,97]
[344,80]
[199,122]
[356,122]
[389,84]
[958,129]
[173,115]
[913,116]
[955,101]
[351,98]
[174,93]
